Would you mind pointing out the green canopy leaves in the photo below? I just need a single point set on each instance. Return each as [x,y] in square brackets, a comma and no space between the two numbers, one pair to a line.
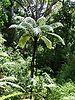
[57,36]
[23,40]
[31,30]
[56,25]
[47,42]
[41,21]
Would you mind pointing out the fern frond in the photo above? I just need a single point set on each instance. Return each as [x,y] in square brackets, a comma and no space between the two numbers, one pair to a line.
[41,21]
[15,86]
[2,84]
[27,26]
[30,21]
[17,26]
[23,40]
[47,42]
[47,28]
[11,95]
[57,36]
[10,78]
[3,54]
[56,25]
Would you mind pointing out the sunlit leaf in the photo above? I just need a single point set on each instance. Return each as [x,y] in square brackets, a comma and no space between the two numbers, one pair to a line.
[47,28]
[41,21]
[56,25]
[47,42]
[57,36]
[11,95]
[15,85]
[30,21]
[4,54]
[23,40]
[17,26]
[10,78]
[27,26]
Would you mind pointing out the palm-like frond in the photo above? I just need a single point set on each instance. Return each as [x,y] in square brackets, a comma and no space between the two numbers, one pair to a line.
[57,36]
[56,25]
[14,85]
[3,54]
[47,42]
[17,26]
[41,21]
[27,26]
[10,78]
[8,81]
[11,95]
[30,21]
[47,28]
[23,40]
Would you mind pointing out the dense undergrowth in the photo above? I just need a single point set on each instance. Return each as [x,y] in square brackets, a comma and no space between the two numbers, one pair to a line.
[15,81]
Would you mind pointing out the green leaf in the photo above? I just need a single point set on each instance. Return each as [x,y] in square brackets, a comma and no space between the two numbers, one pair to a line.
[27,26]
[56,25]
[17,26]
[3,54]
[10,78]
[23,40]
[41,21]
[15,85]
[1,39]
[47,42]
[30,21]
[47,28]
[11,95]
[57,36]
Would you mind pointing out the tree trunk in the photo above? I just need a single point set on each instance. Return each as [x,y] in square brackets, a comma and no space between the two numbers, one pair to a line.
[33,65]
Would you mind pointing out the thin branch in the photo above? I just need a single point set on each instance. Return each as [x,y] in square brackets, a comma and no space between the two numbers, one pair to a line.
[41,8]
[31,9]
[22,7]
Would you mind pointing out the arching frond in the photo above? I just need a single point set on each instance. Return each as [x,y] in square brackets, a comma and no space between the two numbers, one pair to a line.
[57,36]
[47,28]
[23,40]
[4,97]
[17,26]
[56,25]
[3,54]
[30,21]
[27,26]
[15,85]
[10,78]
[47,42]
[41,21]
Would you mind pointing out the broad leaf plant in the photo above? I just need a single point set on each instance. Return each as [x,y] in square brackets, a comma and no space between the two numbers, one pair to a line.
[36,30]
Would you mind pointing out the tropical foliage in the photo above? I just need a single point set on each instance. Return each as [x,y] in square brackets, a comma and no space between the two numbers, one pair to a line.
[37,50]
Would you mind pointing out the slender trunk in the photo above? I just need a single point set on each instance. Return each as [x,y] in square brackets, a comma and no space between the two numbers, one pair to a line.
[33,65]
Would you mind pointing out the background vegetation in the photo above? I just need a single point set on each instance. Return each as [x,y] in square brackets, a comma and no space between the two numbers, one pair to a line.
[46,72]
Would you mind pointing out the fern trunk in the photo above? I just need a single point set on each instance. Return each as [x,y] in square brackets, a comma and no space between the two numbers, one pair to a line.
[33,64]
